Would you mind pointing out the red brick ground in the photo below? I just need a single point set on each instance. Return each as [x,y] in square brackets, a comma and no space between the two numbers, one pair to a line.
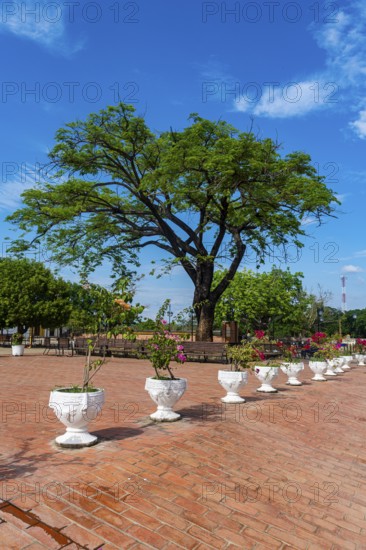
[282,471]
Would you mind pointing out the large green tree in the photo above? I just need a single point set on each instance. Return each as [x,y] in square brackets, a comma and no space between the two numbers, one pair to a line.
[274,301]
[188,193]
[31,295]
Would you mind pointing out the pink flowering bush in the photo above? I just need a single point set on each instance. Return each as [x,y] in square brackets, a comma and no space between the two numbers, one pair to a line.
[165,347]
[360,345]
[319,337]
[325,347]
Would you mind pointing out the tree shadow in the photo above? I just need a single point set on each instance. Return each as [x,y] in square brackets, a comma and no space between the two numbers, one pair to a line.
[22,463]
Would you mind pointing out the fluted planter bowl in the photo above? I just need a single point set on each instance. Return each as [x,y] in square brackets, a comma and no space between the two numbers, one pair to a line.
[265,375]
[360,358]
[346,362]
[75,411]
[318,368]
[165,393]
[338,365]
[292,371]
[232,381]
[331,366]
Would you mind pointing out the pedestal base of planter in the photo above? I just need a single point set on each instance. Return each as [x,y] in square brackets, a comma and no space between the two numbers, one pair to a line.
[232,399]
[267,389]
[74,439]
[293,382]
[165,415]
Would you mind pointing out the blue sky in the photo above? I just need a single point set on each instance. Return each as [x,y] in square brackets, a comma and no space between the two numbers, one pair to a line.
[292,71]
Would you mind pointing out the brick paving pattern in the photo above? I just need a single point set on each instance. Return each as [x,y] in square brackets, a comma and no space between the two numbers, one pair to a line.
[281,471]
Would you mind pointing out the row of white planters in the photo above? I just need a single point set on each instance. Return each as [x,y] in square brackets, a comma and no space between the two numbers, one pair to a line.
[233,381]
[332,367]
[76,410]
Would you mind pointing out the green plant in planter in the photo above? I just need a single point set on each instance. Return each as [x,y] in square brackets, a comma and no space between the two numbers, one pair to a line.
[90,370]
[289,353]
[243,356]
[326,351]
[163,348]
[272,363]
[16,339]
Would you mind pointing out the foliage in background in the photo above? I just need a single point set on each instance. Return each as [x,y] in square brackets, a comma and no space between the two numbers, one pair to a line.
[31,295]
[96,310]
[274,301]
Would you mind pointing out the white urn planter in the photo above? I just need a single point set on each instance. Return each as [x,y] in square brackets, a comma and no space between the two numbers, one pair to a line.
[338,365]
[346,362]
[17,349]
[360,358]
[266,375]
[232,381]
[75,410]
[165,393]
[292,371]
[331,365]
[318,368]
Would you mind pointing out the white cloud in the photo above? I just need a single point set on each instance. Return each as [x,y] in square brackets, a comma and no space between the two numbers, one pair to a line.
[359,125]
[287,100]
[352,269]
[341,84]
[42,22]
[15,180]
[360,254]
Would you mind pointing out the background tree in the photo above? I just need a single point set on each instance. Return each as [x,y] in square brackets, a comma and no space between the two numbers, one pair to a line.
[354,323]
[99,310]
[330,320]
[177,191]
[274,301]
[31,295]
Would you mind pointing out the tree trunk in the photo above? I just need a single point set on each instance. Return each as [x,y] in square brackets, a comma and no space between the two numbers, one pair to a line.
[205,317]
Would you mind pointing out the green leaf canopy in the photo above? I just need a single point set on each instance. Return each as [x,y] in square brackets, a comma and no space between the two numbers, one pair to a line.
[31,295]
[121,187]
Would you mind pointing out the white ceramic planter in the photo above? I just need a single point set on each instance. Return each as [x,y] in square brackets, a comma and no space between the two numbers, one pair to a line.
[75,411]
[292,371]
[360,358]
[232,381]
[318,368]
[266,375]
[331,365]
[17,349]
[338,365]
[346,362]
[165,393]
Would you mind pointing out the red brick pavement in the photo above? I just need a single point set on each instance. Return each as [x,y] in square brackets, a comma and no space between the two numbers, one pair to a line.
[281,471]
